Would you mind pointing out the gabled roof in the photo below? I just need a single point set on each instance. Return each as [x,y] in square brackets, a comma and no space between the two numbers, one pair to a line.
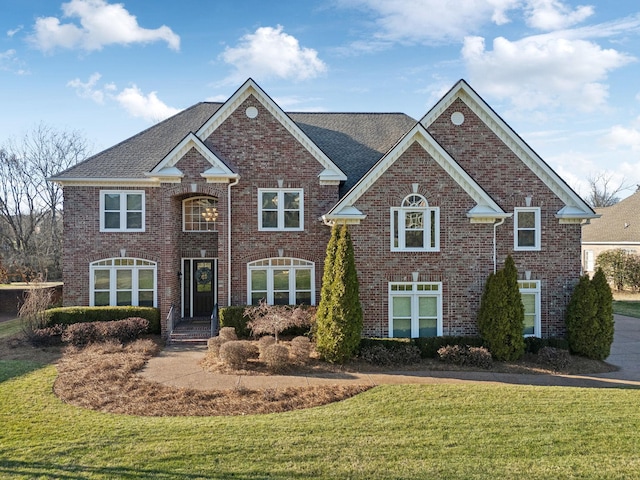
[331,173]
[486,209]
[619,223]
[575,210]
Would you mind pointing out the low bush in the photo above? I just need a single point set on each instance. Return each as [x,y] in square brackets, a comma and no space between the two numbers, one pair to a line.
[555,358]
[73,315]
[466,355]
[429,346]
[300,349]
[228,333]
[46,337]
[389,352]
[264,342]
[276,357]
[213,346]
[233,316]
[534,344]
[81,334]
[236,353]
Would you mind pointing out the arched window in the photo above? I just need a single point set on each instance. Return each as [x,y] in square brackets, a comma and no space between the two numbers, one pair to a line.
[415,226]
[199,214]
[281,281]
[123,281]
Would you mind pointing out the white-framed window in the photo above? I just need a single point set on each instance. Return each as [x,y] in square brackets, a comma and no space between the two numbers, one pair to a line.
[281,281]
[123,281]
[281,209]
[530,293]
[589,261]
[199,214]
[415,309]
[415,226]
[122,211]
[526,228]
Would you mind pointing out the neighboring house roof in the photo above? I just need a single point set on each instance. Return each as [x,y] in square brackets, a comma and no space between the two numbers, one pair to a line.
[619,223]
[575,209]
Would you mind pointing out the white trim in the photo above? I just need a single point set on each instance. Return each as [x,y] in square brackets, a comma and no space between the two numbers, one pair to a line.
[182,280]
[414,293]
[490,209]
[280,206]
[461,90]
[106,182]
[139,264]
[331,172]
[278,263]
[535,290]
[537,229]
[122,211]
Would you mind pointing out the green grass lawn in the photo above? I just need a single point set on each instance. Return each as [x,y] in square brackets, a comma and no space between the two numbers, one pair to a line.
[389,432]
[627,308]
[10,328]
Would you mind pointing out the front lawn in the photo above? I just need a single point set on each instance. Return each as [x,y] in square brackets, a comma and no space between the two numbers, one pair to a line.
[627,308]
[416,431]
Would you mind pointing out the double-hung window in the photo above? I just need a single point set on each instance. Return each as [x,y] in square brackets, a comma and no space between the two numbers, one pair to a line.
[281,209]
[122,281]
[415,226]
[281,281]
[530,294]
[415,309]
[526,229]
[122,211]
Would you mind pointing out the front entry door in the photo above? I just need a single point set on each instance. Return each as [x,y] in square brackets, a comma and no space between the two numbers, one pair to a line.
[200,279]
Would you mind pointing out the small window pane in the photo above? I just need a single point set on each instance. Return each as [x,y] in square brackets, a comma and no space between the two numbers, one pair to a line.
[401,307]
[123,298]
[145,279]
[123,279]
[303,279]
[112,201]
[134,220]
[101,299]
[292,219]
[402,328]
[303,298]
[259,280]
[526,238]
[427,306]
[101,279]
[396,241]
[526,219]
[281,280]
[134,201]
[414,239]
[269,219]
[427,327]
[145,299]
[281,298]
[257,296]
[291,200]
[112,220]
[269,200]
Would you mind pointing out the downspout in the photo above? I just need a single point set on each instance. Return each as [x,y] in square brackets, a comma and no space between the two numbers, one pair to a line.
[495,255]
[235,182]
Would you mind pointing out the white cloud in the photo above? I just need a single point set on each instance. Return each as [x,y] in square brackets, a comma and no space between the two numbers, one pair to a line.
[132,99]
[9,62]
[101,24]
[622,137]
[551,15]
[544,70]
[13,31]
[268,53]
[432,21]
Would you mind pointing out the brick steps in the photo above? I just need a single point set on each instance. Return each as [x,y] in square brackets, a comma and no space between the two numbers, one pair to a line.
[192,334]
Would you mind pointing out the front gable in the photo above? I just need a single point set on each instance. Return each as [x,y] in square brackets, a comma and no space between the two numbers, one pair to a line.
[486,209]
[330,175]
[574,210]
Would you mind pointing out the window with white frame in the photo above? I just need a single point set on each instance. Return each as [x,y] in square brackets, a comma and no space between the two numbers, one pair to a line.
[281,281]
[415,226]
[526,229]
[530,294]
[199,214]
[122,211]
[415,309]
[589,262]
[281,209]
[122,281]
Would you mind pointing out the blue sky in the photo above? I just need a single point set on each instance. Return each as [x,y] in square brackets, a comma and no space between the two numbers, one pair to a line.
[564,74]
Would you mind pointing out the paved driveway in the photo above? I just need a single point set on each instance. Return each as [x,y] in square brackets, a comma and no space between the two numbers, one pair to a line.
[625,351]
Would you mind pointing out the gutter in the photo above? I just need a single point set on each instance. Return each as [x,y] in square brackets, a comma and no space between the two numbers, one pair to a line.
[231,184]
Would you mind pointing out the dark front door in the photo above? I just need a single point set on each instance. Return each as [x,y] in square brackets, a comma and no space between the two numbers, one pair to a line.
[199,287]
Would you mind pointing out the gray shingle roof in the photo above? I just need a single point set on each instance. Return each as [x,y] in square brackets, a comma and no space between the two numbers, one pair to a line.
[353,141]
[619,223]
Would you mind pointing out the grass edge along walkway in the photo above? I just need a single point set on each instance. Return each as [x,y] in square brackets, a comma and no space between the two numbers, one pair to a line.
[425,431]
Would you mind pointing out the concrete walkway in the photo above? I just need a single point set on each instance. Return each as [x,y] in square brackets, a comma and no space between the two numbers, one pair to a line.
[178,366]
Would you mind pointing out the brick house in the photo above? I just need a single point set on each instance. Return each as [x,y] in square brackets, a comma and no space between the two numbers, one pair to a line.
[230,203]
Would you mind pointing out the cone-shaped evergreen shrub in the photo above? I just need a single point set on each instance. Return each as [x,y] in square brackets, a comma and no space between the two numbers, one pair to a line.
[590,317]
[339,315]
[501,315]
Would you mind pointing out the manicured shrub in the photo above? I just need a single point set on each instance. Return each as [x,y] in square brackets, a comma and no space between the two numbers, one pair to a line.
[236,353]
[300,349]
[589,318]
[339,317]
[46,337]
[233,316]
[534,344]
[81,334]
[429,346]
[263,343]
[466,355]
[275,319]
[276,357]
[389,354]
[213,346]
[228,333]
[71,315]
[501,315]
[555,358]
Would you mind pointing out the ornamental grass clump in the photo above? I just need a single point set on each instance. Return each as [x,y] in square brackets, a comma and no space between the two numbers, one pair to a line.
[237,353]
[300,349]
[276,357]
[228,333]
[265,342]
[465,355]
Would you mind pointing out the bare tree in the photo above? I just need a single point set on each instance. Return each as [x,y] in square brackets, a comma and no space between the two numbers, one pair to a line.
[30,206]
[603,191]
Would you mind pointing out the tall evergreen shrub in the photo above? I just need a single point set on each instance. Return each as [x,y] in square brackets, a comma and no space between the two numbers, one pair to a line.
[501,315]
[339,317]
